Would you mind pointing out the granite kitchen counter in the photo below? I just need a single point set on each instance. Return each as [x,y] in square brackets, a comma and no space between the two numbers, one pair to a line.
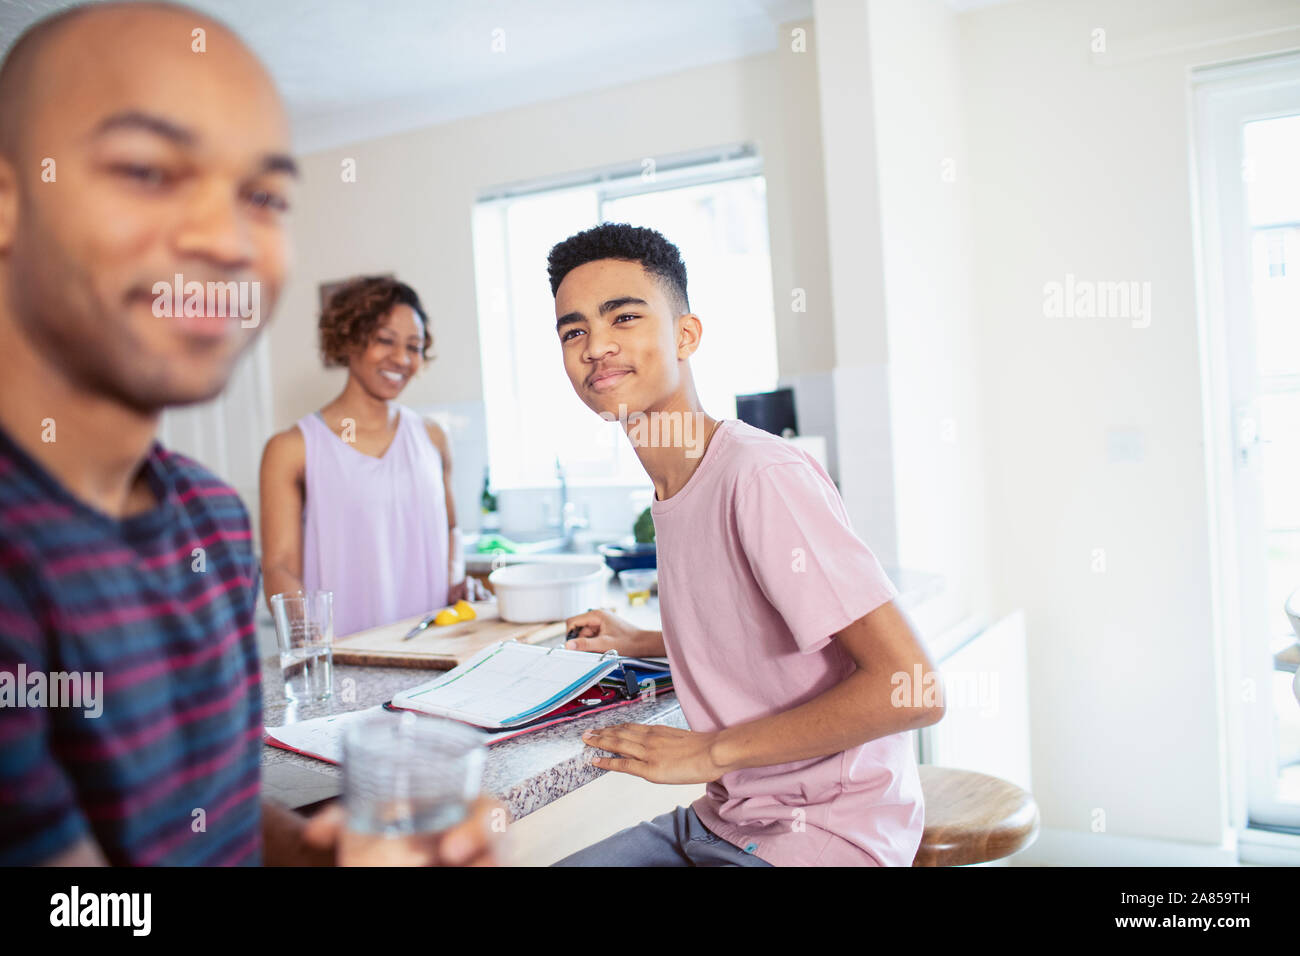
[527,772]
[524,773]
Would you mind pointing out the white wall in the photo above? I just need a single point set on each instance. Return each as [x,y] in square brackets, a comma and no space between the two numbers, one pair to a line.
[860,384]
[906,402]
[1079,163]
[930,323]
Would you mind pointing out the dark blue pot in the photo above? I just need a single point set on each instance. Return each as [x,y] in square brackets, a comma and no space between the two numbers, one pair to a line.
[629,557]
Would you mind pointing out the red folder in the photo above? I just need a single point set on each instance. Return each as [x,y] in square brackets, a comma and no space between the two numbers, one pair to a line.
[593,700]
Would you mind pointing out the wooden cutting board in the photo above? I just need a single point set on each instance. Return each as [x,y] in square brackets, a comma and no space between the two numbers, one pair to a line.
[436,648]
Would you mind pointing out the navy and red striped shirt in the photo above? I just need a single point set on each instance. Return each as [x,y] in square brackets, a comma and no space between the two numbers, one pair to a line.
[160,604]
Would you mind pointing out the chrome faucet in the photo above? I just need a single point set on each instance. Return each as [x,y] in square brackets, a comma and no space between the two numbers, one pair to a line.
[569,520]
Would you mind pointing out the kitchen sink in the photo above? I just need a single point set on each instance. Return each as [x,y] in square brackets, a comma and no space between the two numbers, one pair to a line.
[535,546]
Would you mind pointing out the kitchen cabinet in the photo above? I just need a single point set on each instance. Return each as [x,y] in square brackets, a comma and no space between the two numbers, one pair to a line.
[986,690]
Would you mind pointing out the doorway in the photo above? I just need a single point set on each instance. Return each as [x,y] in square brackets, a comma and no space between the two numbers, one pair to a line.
[1248,192]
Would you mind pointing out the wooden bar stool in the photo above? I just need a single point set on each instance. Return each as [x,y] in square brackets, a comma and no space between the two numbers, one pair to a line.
[973,818]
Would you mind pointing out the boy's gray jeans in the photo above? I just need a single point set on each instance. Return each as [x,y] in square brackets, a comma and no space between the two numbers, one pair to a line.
[676,838]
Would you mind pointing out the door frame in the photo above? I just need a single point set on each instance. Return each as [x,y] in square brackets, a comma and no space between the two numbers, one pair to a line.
[1222,98]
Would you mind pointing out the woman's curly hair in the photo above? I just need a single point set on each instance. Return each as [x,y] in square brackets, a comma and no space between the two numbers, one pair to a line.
[352,314]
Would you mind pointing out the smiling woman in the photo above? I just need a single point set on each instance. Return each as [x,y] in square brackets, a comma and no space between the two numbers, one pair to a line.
[356,498]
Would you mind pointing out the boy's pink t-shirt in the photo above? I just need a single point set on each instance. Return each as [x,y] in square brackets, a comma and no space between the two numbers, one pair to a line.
[758,569]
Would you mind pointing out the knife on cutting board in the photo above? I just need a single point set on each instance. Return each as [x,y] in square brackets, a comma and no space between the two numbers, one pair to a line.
[422,626]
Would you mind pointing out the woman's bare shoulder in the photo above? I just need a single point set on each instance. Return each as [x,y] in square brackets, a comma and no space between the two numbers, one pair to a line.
[438,435]
[286,448]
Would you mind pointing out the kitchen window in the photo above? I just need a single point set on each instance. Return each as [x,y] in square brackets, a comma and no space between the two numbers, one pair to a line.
[714,208]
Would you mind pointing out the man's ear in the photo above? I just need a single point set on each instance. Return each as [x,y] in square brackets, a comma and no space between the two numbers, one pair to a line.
[8,204]
[689,330]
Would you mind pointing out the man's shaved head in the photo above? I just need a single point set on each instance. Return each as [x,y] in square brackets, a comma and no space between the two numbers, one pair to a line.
[138,141]
[21,74]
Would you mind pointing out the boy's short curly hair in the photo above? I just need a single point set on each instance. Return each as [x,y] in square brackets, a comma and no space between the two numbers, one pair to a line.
[352,314]
[619,240]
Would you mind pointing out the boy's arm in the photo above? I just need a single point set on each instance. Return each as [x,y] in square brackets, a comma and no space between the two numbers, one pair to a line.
[862,707]
[858,709]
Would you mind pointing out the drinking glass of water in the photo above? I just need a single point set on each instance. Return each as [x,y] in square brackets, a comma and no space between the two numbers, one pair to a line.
[304,628]
[405,780]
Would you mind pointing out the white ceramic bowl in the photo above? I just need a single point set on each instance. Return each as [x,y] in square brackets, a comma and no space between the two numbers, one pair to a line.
[533,593]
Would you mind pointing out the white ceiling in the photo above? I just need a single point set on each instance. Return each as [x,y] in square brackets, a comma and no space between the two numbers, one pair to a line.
[353,71]
[962,6]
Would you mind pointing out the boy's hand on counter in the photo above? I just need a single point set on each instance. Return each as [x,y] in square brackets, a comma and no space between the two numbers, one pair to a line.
[602,631]
[656,753]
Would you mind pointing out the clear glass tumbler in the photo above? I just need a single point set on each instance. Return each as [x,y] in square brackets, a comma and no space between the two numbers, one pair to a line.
[304,628]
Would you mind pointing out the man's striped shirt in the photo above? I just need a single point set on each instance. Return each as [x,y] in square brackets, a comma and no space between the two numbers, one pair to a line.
[161,605]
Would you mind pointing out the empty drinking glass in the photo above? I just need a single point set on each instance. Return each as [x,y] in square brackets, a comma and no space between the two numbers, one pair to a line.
[304,628]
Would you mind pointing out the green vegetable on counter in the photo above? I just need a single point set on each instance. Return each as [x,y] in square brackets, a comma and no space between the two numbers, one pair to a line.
[644,529]
[490,543]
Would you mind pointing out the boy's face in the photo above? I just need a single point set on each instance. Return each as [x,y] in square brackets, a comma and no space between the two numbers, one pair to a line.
[618,333]
[169,161]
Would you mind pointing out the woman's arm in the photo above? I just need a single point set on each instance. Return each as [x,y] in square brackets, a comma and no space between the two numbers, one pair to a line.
[456,589]
[282,482]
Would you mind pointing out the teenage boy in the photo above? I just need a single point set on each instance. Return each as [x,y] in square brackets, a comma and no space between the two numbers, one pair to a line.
[778,622]
[129,157]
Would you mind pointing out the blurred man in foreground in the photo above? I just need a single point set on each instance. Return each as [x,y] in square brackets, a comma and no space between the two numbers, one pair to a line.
[145,177]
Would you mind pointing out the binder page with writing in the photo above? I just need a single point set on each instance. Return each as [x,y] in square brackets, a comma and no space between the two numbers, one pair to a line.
[508,683]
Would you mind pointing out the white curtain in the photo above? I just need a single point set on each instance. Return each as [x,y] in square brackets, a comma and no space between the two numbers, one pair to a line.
[227,434]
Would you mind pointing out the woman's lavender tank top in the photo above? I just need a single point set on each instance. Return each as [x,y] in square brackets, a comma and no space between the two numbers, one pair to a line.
[375,529]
